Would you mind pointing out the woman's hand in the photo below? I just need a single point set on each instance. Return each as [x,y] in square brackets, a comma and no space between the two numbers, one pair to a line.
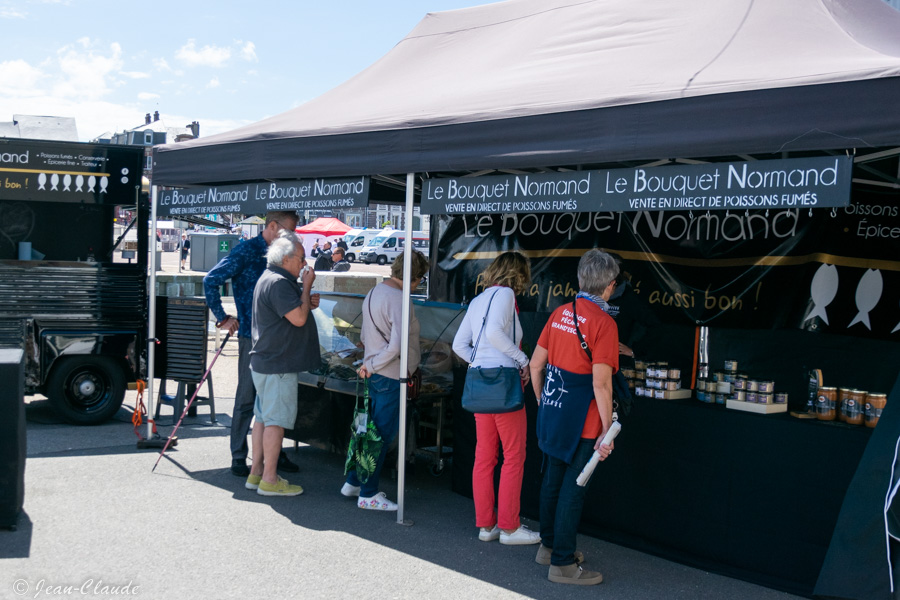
[623,349]
[525,374]
[363,372]
[603,449]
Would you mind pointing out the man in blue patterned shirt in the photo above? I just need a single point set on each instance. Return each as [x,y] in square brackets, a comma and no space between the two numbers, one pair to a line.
[244,266]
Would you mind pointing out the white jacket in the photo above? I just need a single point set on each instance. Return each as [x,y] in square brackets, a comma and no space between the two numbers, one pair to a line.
[497,347]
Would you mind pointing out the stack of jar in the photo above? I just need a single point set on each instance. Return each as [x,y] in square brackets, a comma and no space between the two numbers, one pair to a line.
[850,406]
[653,380]
[730,384]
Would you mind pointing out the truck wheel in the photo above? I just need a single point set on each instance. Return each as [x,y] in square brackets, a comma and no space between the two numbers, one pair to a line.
[382,259]
[351,257]
[86,390]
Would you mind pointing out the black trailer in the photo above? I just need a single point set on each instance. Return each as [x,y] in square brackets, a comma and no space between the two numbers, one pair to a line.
[73,296]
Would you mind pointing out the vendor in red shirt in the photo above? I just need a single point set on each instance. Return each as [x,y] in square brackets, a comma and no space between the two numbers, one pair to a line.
[571,371]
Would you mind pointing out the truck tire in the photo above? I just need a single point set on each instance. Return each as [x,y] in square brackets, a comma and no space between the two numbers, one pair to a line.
[382,259]
[351,257]
[86,390]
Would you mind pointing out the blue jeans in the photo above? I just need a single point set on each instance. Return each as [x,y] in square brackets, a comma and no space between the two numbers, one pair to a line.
[384,410]
[561,502]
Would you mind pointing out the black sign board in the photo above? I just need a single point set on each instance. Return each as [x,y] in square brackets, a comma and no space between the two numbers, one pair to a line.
[835,271]
[259,198]
[765,184]
[69,172]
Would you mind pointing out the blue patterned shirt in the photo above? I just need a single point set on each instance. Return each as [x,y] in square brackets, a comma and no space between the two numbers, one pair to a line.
[243,266]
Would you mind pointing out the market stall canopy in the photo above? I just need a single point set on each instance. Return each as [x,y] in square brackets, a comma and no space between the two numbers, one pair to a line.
[541,83]
[324,226]
[253,220]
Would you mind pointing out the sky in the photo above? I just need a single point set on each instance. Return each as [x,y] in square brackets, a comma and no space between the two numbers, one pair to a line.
[226,64]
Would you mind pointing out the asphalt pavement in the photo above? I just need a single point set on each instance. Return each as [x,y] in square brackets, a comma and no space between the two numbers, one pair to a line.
[97,522]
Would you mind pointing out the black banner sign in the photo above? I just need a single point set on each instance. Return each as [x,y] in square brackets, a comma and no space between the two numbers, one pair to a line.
[764,184]
[69,172]
[834,270]
[259,198]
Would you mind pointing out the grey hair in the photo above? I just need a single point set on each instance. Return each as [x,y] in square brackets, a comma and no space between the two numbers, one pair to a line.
[596,270]
[282,247]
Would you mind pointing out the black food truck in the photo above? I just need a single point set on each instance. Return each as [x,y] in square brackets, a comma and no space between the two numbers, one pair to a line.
[73,271]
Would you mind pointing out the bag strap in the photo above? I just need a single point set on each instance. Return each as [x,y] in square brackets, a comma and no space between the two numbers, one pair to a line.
[372,318]
[584,345]
[587,350]
[483,324]
[365,396]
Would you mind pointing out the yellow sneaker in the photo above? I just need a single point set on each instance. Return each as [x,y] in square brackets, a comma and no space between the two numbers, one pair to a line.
[281,488]
[253,482]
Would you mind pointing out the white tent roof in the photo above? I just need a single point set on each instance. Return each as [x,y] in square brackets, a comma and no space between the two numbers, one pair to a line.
[555,66]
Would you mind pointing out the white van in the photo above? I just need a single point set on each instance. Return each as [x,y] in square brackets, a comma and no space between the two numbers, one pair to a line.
[389,244]
[357,239]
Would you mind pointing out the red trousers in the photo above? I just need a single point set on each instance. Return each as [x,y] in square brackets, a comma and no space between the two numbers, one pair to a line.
[509,429]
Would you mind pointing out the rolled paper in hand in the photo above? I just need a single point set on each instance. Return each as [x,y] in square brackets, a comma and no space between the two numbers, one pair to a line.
[588,469]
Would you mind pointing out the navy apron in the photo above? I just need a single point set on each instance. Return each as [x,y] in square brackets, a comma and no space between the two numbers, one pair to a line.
[565,401]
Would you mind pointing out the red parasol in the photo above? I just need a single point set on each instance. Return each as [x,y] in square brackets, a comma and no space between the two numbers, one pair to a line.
[324,226]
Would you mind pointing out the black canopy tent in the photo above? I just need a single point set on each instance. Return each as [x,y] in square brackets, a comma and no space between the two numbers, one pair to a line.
[569,84]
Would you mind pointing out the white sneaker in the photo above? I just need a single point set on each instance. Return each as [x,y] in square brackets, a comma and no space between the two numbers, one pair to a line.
[350,491]
[489,536]
[520,537]
[378,502]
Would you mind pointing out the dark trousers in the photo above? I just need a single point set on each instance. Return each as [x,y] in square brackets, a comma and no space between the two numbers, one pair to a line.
[244,398]
[561,502]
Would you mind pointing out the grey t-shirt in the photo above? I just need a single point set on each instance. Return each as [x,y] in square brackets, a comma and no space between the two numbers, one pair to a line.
[279,346]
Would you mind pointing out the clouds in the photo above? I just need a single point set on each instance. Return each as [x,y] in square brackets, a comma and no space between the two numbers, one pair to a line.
[18,79]
[207,56]
[87,72]
[248,52]
[214,56]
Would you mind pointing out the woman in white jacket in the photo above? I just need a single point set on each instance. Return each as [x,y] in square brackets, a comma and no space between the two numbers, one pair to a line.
[506,277]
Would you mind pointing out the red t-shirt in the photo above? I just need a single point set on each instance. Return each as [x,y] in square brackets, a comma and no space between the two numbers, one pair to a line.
[564,350]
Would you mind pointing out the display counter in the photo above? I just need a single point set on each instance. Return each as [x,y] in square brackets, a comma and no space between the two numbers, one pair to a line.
[327,395]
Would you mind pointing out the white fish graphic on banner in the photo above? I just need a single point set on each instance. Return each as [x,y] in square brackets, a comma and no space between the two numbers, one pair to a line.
[822,290]
[67,183]
[897,328]
[868,293]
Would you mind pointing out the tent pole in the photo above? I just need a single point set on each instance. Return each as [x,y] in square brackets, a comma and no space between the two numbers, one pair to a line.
[404,347]
[151,316]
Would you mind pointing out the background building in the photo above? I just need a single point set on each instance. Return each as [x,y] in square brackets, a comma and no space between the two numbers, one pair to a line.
[35,127]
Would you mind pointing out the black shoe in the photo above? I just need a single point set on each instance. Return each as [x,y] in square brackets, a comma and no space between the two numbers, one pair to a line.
[286,465]
[239,467]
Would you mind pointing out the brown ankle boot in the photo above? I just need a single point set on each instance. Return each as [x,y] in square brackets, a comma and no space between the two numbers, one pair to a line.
[543,556]
[574,574]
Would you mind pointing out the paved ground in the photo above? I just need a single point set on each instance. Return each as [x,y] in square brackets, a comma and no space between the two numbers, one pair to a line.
[94,512]
[96,517]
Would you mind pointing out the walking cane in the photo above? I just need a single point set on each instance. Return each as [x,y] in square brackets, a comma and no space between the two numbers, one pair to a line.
[194,397]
